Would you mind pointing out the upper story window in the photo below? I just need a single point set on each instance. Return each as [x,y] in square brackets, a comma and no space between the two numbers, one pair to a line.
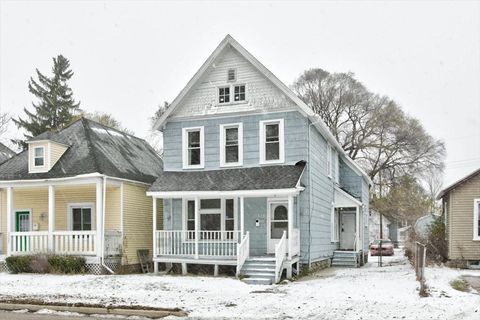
[271,141]
[231,144]
[333,171]
[239,93]
[232,75]
[224,95]
[39,156]
[193,147]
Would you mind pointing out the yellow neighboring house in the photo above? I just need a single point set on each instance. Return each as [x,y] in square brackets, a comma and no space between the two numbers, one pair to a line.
[80,191]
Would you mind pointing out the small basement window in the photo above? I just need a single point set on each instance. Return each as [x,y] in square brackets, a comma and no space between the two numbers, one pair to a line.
[39,156]
[224,95]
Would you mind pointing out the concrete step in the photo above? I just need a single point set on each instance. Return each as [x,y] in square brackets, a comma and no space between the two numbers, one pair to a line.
[262,259]
[258,280]
[344,264]
[260,274]
[258,268]
[258,264]
[344,259]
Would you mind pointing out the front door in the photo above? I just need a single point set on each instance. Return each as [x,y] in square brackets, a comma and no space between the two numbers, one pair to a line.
[22,221]
[22,224]
[347,230]
[277,223]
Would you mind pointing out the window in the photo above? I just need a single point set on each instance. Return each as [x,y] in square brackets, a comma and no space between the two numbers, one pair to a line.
[476,219]
[215,215]
[224,95]
[271,141]
[335,225]
[231,144]
[336,166]
[39,156]
[329,161]
[193,153]
[232,75]
[81,217]
[239,93]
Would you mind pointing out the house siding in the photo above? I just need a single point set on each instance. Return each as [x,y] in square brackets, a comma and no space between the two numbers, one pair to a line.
[137,221]
[256,209]
[460,200]
[56,151]
[294,132]
[69,195]
[113,220]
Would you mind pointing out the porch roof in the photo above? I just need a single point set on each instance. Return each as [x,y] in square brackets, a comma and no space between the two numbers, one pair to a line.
[256,178]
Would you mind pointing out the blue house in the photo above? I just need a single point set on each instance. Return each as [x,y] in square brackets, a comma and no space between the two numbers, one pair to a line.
[253,178]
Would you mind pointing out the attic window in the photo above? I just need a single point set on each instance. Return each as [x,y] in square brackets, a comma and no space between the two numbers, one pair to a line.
[232,75]
[39,156]
[224,95]
[239,93]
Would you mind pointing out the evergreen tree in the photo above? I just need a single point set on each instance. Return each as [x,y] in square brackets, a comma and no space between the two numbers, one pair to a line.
[55,107]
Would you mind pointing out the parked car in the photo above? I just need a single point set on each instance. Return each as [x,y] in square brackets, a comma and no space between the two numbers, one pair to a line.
[387,248]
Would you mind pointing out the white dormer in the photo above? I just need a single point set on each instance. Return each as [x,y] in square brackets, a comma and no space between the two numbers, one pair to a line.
[43,154]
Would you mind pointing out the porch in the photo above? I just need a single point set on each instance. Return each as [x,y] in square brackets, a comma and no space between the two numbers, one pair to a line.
[70,217]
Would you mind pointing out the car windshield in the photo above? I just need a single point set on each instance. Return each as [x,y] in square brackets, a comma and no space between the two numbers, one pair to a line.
[383,242]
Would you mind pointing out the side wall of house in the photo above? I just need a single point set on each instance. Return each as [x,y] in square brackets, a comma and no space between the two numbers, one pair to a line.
[137,221]
[461,243]
[320,187]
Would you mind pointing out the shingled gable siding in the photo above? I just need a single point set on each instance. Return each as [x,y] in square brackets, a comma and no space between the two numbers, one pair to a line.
[295,139]
[461,244]
[261,94]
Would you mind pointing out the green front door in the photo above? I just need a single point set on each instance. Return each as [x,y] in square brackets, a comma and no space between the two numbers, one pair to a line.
[22,224]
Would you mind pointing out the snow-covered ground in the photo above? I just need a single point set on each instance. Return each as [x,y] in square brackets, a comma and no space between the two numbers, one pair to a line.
[365,293]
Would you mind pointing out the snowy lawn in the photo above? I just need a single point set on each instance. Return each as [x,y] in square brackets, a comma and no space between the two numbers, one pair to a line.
[365,293]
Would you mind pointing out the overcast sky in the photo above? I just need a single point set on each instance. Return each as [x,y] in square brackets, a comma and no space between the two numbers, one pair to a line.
[129,56]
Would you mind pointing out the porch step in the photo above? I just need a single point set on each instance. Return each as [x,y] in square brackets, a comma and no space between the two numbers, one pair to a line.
[259,270]
[257,280]
[345,259]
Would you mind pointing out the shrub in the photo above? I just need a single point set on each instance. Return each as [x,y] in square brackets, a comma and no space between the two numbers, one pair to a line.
[460,285]
[19,264]
[66,264]
[39,264]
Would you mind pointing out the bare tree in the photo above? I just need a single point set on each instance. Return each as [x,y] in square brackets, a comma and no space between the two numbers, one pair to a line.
[371,128]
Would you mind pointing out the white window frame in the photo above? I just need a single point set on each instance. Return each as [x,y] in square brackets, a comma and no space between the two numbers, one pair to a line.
[185,159]
[35,157]
[281,138]
[201,211]
[231,86]
[84,205]
[337,167]
[334,232]
[223,162]
[476,213]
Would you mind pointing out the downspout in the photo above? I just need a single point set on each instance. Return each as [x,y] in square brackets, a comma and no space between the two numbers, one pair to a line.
[102,258]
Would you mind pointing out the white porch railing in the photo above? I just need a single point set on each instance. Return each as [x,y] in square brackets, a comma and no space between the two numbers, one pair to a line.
[75,242]
[209,243]
[295,238]
[243,252]
[28,242]
[280,254]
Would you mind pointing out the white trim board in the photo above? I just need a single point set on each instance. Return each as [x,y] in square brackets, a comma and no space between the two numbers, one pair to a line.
[231,193]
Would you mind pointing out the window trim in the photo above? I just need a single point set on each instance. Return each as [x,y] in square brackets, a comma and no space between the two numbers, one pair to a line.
[35,157]
[329,160]
[281,139]
[334,234]
[231,85]
[223,154]
[222,212]
[476,213]
[185,159]
[84,205]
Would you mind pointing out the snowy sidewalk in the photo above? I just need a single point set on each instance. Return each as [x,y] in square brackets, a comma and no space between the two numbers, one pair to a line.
[365,293]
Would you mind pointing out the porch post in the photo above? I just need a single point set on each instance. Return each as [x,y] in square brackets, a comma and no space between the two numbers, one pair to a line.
[51,217]
[197,224]
[357,227]
[242,217]
[9,218]
[99,216]
[290,225]
[154,206]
